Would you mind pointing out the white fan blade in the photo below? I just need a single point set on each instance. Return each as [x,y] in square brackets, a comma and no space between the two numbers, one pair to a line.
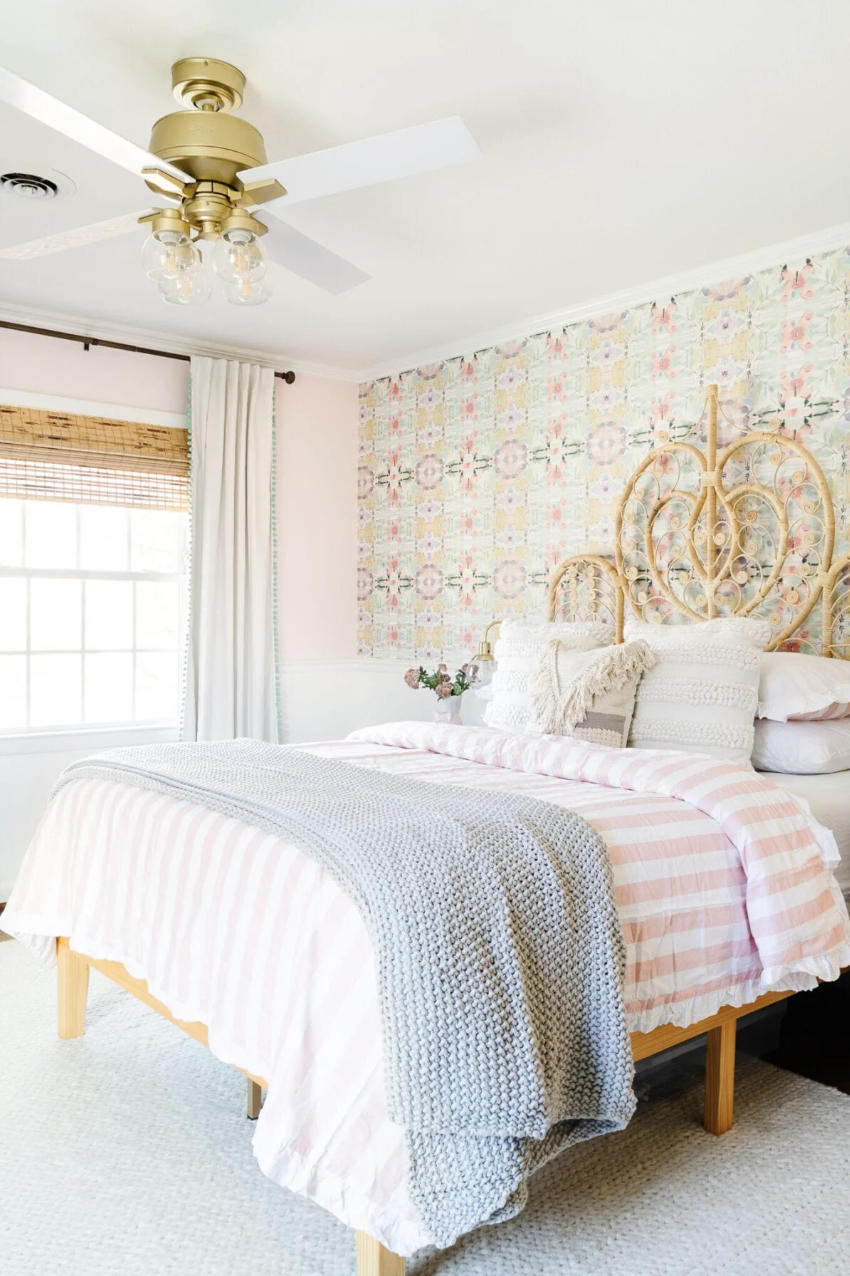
[420,149]
[49,110]
[76,238]
[303,256]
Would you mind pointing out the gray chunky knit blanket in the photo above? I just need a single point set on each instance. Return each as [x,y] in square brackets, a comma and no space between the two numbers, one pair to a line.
[499,954]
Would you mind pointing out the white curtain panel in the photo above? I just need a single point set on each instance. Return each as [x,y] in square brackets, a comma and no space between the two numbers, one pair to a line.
[231,676]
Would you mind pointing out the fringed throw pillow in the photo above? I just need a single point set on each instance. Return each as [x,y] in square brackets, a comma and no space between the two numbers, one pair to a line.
[517,651]
[588,694]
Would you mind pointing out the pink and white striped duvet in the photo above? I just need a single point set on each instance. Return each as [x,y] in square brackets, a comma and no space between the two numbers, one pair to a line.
[722,883]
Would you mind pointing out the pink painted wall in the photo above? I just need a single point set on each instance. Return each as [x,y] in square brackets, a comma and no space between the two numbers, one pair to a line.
[317,519]
[44,365]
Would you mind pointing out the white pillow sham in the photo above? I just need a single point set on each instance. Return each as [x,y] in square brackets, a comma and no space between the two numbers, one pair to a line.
[802,748]
[749,629]
[702,694]
[794,687]
[517,652]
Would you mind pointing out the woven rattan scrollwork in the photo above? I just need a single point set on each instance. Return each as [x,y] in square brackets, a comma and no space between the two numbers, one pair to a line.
[701,531]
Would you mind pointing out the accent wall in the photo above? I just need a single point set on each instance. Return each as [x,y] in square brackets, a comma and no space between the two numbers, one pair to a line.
[479,474]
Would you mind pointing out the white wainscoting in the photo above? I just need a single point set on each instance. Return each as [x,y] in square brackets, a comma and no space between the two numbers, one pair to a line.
[29,768]
[320,700]
[323,700]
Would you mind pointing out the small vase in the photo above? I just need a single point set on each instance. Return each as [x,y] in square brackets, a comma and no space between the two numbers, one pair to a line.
[448,710]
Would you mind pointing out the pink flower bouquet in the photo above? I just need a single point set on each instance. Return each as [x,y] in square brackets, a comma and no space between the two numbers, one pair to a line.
[447,690]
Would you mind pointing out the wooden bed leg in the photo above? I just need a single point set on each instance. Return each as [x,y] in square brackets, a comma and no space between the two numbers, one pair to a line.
[720,1077]
[255,1099]
[73,990]
[374,1260]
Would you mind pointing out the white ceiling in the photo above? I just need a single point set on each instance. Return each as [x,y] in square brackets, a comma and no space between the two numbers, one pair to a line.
[623,142]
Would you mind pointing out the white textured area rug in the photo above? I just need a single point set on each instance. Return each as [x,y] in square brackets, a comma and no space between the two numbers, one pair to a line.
[128,1151]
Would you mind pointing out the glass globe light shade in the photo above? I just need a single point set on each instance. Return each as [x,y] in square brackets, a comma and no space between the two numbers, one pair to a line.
[168,254]
[483,687]
[486,669]
[250,292]
[192,288]
[238,255]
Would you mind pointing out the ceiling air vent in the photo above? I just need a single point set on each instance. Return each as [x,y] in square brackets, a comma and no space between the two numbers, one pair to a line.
[29,185]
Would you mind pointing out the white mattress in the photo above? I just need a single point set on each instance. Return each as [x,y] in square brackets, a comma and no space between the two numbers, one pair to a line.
[828,797]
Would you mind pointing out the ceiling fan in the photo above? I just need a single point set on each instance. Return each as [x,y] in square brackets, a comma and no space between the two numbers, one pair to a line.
[211,166]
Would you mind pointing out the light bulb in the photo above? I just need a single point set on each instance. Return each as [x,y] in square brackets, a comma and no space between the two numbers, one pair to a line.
[238,255]
[486,669]
[192,288]
[250,292]
[168,254]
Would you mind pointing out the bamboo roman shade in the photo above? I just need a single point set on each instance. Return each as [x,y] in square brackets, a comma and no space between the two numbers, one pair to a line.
[54,456]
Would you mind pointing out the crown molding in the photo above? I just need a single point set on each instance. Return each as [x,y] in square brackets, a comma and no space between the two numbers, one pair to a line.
[107,331]
[669,285]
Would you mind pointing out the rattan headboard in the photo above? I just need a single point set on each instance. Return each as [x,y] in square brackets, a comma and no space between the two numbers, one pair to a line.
[765,502]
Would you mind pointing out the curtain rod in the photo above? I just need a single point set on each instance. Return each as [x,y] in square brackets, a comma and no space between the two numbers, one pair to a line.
[88,342]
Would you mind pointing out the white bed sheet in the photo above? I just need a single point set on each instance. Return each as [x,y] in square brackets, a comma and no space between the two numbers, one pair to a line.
[828,797]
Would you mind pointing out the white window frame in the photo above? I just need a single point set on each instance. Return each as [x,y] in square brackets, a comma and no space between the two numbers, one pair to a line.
[85,730]
[88,737]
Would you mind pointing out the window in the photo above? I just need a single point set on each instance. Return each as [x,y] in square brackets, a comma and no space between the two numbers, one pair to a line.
[93,602]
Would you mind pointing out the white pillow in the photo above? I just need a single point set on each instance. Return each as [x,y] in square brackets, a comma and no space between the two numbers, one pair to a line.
[802,748]
[794,687]
[517,652]
[749,629]
[702,694]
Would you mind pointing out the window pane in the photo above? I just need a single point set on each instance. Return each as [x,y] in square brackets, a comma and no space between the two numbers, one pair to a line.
[157,614]
[51,534]
[157,686]
[13,615]
[55,615]
[13,692]
[11,533]
[158,538]
[104,536]
[109,688]
[55,691]
[109,615]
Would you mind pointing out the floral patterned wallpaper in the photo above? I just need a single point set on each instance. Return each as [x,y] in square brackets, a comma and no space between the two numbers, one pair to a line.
[479,474]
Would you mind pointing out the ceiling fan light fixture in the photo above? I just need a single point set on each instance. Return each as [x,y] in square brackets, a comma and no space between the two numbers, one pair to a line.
[238,256]
[191,289]
[214,164]
[169,259]
[249,292]
[167,253]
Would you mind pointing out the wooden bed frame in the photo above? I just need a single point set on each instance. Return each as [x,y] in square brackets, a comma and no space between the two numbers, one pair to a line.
[372,1258]
[694,536]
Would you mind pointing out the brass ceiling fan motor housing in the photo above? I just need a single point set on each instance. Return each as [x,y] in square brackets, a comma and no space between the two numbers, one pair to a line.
[206,142]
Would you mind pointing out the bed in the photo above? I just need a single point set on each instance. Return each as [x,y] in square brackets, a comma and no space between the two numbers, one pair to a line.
[251,947]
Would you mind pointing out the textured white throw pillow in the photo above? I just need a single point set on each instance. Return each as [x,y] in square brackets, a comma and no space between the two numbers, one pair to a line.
[588,694]
[802,748]
[517,652]
[793,687]
[702,694]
